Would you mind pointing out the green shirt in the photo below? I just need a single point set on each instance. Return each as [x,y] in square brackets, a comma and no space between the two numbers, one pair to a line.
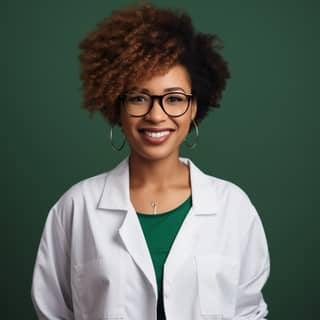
[160,231]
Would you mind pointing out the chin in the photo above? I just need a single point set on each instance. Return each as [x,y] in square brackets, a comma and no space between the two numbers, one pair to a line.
[154,155]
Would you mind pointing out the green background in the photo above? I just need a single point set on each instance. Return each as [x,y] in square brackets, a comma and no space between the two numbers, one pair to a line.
[265,137]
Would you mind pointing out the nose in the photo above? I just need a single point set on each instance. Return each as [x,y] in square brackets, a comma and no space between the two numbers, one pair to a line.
[156,113]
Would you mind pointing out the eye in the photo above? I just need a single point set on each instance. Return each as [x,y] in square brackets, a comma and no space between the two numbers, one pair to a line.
[175,98]
[137,99]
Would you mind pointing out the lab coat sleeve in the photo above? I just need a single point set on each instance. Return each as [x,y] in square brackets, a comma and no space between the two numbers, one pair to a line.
[51,292]
[254,272]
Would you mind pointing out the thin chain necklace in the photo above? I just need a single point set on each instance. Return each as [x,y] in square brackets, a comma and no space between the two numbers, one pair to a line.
[154,205]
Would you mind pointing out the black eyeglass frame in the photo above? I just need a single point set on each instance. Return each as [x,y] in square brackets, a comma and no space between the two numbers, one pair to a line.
[160,98]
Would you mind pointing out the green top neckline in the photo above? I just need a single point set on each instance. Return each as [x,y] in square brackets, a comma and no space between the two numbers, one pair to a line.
[167,212]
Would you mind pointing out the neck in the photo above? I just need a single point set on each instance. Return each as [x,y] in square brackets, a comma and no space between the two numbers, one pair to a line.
[156,174]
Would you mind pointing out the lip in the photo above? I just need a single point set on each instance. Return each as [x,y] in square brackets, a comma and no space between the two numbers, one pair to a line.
[156,129]
[152,140]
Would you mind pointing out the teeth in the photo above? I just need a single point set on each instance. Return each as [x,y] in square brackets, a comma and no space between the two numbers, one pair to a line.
[157,134]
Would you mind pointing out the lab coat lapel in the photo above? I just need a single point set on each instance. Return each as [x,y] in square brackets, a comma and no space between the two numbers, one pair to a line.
[116,197]
[204,202]
[134,241]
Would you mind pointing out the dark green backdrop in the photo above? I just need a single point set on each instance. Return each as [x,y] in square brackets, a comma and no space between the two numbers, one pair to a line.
[264,138]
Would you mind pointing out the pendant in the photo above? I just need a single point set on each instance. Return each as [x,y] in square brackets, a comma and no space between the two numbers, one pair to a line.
[154,206]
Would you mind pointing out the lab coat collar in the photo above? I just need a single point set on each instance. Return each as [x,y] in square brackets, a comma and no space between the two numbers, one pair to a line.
[116,194]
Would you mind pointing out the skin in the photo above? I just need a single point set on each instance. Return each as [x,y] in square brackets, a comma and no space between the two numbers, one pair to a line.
[156,173]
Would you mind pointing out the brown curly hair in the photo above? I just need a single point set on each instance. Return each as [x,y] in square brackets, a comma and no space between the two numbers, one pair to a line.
[141,41]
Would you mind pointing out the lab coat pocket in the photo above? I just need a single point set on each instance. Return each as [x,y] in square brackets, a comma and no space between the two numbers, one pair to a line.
[217,284]
[99,285]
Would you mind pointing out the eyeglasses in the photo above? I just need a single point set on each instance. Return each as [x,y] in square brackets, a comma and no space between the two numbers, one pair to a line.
[174,104]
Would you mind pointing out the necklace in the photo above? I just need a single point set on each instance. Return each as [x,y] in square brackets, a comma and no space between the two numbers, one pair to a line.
[154,205]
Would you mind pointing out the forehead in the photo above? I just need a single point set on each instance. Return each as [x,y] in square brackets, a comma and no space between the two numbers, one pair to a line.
[176,77]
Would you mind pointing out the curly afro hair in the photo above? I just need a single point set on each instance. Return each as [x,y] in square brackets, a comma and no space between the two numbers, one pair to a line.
[141,41]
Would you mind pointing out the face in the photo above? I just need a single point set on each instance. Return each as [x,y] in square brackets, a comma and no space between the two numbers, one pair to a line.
[157,135]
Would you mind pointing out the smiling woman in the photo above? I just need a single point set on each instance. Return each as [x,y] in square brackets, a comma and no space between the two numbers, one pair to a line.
[155,237]
[162,122]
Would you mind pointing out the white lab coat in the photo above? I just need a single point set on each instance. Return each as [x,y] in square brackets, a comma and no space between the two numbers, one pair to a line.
[93,262]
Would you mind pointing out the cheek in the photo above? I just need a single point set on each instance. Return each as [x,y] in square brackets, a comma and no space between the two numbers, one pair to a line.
[128,128]
[185,125]
[126,131]
[183,129]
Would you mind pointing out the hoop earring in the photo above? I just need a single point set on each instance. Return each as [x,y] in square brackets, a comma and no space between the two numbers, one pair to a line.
[193,145]
[112,144]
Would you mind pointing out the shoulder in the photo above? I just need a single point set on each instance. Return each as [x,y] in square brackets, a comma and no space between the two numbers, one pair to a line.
[235,206]
[220,186]
[83,197]
[78,198]
[229,190]
[83,188]
[226,196]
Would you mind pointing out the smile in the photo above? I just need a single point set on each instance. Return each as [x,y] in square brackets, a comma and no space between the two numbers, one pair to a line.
[157,134]
[156,137]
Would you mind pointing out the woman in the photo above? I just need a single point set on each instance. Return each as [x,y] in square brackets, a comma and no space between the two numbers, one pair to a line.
[154,238]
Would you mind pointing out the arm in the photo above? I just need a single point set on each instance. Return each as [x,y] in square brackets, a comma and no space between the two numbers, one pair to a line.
[255,269]
[51,292]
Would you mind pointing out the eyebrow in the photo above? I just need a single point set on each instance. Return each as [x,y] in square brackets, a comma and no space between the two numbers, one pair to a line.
[165,90]
[173,89]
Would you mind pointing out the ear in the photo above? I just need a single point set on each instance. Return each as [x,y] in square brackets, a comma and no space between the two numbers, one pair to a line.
[194,108]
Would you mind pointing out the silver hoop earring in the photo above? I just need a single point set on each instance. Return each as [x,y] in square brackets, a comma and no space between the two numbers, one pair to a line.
[193,145]
[115,148]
